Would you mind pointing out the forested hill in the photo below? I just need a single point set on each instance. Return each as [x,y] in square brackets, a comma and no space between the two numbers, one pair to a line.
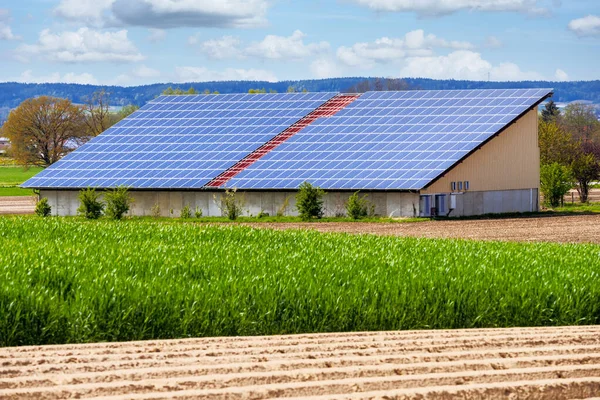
[12,94]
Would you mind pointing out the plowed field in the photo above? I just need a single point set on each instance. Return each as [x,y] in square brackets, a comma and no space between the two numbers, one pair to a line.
[17,204]
[561,229]
[538,363]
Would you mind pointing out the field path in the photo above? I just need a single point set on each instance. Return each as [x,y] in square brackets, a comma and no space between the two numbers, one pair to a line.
[17,204]
[562,229]
[532,363]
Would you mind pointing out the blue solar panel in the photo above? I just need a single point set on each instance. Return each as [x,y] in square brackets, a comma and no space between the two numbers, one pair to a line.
[389,140]
[179,141]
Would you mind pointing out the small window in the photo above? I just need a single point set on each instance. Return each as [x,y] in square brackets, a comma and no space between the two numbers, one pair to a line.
[460,186]
[466,185]
[453,186]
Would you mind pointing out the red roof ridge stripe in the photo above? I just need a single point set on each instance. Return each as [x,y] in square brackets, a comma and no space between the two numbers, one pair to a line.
[327,109]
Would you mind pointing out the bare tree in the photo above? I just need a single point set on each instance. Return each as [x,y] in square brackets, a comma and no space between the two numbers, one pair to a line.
[97,113]
[44,129]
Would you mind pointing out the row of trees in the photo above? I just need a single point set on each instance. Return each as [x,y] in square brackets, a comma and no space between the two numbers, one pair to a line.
[569,150]
[44,129]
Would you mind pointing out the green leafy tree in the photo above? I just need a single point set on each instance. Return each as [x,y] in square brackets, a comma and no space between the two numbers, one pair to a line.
[580,120]
[257,91]
[42,208]
[309,201]
[586,169]
[178,91]
[118,202]
[556,144]
[90,205]
[550,112]
[556,181]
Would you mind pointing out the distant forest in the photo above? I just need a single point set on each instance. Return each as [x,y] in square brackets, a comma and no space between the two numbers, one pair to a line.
[12,94]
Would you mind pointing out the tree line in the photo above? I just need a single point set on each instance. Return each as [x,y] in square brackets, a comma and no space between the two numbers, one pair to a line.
[569,151]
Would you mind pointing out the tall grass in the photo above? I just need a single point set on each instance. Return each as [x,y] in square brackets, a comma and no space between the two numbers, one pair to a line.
[66,281]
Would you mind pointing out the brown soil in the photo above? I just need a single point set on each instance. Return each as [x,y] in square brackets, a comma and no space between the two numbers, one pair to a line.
[564,229]
[17,204]
[536,363]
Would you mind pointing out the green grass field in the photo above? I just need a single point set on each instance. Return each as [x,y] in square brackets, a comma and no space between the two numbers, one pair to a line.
[12,176]
[67,281]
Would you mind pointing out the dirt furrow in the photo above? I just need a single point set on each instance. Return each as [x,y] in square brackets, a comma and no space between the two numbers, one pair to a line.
[208,388]
[559,355]
[316,338]
[431,345]
[540,363]
[316,371]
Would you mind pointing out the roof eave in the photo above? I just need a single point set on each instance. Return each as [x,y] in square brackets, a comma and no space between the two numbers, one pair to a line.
[434,180]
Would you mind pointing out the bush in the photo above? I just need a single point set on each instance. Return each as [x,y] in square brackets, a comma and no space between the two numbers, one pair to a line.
[155,210]
[118,202]
[198,213]
[90,207]
[186,212]
[357,207]
[309,201]
[42,208]
[556,181]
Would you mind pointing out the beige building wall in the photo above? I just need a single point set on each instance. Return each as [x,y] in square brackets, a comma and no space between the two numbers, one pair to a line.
[509,161]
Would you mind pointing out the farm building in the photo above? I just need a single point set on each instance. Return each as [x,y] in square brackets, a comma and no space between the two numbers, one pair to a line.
[456,153]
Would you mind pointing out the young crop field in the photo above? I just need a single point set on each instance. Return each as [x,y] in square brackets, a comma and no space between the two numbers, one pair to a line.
[72,281]
[12,176]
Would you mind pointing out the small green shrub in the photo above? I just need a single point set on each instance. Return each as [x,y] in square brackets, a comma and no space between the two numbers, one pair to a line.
[42,208]
[357,206]
[186,212]
[262,214]
[90,206]
[118,202]
[155,211]
[198,212]
[309,201]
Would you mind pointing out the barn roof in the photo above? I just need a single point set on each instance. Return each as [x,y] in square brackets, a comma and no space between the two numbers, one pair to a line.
[378,140]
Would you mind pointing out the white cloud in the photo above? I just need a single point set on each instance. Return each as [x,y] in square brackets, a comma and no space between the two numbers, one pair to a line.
[83,45]
[200,74]
[492,42]
[5,30]
[289,48]
[464,64]
[561,75]
[90,12]
[165,13]
[194,39]
[325,68]
[218,49]
[157,35]
[443,7]
[139,75]
[586,26]
[145,72]
[84,79]
[385,50]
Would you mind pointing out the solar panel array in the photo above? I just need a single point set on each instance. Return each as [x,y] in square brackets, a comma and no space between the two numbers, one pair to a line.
[179,141]
[389,140]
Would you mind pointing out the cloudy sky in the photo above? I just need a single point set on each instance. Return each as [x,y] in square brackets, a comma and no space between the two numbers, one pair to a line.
[131,42]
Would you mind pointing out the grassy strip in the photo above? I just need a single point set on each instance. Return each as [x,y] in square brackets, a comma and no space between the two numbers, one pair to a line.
[67,281]
[15,191]
[14,176]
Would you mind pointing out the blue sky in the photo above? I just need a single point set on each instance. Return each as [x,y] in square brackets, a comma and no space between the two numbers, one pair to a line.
[132,42]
